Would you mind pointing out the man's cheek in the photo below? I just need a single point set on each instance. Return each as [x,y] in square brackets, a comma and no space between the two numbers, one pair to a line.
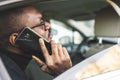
[40,32]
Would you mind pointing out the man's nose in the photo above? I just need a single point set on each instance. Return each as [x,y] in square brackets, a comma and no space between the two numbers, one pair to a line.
[47,25]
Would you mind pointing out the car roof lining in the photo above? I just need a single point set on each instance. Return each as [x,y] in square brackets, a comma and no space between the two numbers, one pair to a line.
[7,4]
[70,9]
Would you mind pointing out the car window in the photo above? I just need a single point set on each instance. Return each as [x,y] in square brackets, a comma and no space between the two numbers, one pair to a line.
[85,26]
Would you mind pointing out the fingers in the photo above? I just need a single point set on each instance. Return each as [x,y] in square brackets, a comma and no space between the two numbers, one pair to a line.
[44,50]
[38,60]
[67,56]
[63,53]
[54,48]
[58,61]
[41,64]
[60,50]
[64,56]
[66,53]
[55,52]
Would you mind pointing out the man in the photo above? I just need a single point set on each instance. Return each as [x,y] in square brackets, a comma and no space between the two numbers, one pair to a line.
[15,58]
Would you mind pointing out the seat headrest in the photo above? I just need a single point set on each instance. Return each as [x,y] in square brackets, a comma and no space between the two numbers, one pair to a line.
[107,23]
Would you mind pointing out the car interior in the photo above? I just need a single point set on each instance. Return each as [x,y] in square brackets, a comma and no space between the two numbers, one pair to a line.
[84,27]
[106,25]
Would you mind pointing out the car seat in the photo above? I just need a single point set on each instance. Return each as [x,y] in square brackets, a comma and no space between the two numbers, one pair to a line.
[107,24]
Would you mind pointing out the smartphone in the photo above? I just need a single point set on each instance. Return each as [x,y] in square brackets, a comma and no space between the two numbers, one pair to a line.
[28,40]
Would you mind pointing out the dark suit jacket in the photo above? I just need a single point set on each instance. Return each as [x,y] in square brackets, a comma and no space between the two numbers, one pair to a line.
[15,72]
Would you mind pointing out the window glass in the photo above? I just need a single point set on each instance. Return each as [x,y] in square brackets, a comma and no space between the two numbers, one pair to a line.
[61,33]
[69,37]
[77,37]
[86,27]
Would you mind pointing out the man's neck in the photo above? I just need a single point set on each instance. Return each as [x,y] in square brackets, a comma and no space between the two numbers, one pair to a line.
[17,51]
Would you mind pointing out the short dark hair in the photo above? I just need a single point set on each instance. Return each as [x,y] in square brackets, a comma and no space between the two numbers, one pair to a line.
[11,20]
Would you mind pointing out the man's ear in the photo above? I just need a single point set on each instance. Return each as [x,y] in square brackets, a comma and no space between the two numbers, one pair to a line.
[12,38]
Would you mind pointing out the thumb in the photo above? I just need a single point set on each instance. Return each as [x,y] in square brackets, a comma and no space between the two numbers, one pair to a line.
[39,61]
[42,65]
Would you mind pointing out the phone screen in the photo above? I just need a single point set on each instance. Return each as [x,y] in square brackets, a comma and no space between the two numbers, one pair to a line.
[28,40]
